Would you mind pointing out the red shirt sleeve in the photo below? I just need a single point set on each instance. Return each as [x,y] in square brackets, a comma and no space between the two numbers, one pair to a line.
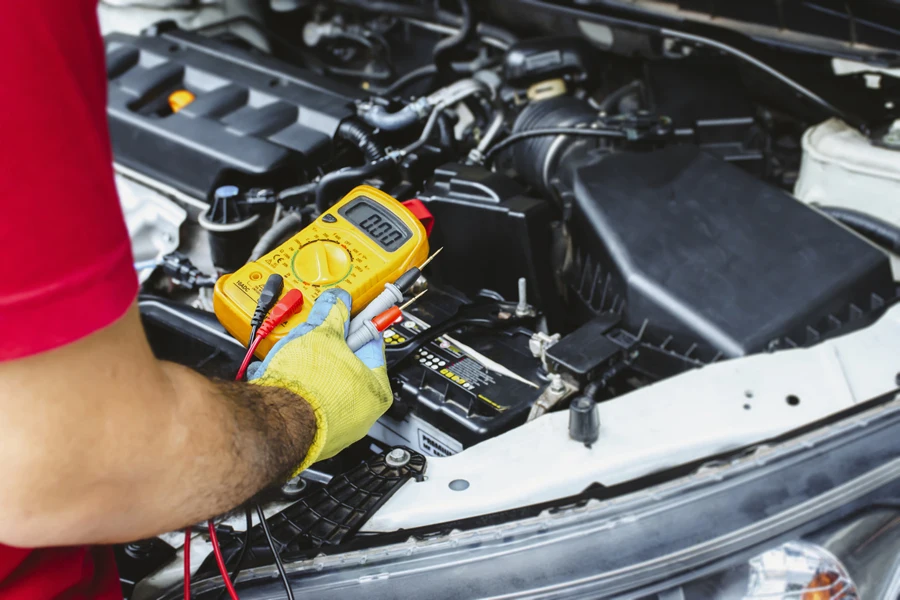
[67,268]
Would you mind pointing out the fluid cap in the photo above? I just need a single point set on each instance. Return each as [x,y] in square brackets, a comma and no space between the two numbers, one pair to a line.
[232,230]
[179,99]
[584,420]
[225,208]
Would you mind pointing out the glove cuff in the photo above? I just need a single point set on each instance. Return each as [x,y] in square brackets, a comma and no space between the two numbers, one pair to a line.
[318,443]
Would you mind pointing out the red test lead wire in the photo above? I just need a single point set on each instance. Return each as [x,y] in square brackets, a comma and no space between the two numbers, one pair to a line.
[284,310]
[187,563]
[248,357]
[220,560]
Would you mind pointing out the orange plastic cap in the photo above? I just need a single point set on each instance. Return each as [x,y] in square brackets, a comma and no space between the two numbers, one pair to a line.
[180,99]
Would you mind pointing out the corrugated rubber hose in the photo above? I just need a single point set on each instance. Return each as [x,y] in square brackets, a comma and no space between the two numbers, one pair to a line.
[362,137]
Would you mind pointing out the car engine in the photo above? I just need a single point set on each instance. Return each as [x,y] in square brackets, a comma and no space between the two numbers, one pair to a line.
[604,222]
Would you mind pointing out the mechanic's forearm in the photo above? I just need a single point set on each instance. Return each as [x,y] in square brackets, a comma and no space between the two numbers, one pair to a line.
[100,442]
[245,437]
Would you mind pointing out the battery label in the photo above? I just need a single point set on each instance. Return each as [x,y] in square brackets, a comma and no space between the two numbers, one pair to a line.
[459,367]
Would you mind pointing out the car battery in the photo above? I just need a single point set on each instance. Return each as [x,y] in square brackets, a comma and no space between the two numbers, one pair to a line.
[459,389]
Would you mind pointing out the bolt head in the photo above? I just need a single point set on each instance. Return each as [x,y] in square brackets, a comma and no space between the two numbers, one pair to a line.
[556,383]
[398,457]
[294,488]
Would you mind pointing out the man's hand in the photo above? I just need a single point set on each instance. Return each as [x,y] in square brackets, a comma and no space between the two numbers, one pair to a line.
[347,391]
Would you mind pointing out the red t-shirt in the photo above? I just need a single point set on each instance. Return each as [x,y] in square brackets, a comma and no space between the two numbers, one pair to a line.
[66,268]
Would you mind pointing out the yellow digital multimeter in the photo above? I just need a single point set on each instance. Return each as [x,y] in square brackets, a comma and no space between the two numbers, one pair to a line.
[359,244]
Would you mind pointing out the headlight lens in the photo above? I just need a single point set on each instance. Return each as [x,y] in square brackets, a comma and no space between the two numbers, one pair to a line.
[801,571]
[793,571]
[856,557]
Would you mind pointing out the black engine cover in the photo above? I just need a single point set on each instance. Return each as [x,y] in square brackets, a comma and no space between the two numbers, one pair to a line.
[707,260]
[254,118]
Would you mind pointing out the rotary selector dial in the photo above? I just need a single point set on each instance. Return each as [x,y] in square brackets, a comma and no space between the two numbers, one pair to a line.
[322,263]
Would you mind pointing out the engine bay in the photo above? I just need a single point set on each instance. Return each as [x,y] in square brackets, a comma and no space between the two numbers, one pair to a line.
[608,218]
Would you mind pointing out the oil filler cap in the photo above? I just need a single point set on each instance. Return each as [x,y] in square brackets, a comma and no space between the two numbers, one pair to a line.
[179,99]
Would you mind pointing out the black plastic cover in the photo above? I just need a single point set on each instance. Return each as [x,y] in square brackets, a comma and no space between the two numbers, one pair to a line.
[323,516]
[709,106]
[252,116]
[330,515]
[190,337]
[491,234]
[535,60]
[706,259]
[588,349]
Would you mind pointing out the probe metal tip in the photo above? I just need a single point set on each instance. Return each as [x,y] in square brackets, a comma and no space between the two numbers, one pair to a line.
[419,295]
[430,258]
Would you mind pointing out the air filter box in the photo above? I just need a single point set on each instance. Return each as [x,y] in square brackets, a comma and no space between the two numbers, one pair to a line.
[709,261]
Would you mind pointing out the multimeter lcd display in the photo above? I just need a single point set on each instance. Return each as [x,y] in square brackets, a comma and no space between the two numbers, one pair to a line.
[376,222]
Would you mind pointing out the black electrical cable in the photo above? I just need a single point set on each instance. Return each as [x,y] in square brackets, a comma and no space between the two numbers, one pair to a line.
[248,513]
[407,79]
[292,222]
[297,190]
[423,13]
[267,298]
[381,75]
[337,182]
[444,49]
[275,553]
[524,135]
[614,98]
[882,233]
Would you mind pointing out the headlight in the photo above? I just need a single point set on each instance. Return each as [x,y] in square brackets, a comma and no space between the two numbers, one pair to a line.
[799,570]
[857,558]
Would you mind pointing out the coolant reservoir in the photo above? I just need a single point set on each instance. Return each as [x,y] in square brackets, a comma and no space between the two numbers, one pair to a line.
[841,167]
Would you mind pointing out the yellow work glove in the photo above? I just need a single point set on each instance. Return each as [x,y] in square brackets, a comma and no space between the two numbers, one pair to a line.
[347,391]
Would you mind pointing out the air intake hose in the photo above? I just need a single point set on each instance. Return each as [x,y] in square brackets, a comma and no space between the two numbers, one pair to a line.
[537,159]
